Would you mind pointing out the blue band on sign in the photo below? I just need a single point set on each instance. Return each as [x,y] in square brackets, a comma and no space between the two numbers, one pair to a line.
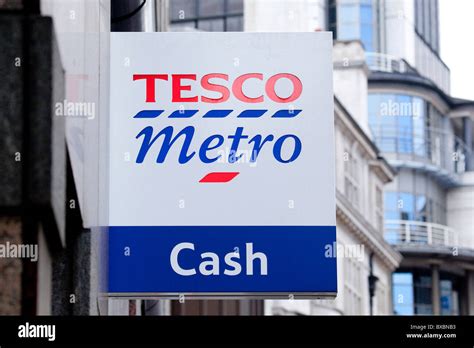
[193,259]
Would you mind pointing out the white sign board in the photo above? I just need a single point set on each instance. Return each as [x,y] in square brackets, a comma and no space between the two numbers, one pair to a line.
[221,143]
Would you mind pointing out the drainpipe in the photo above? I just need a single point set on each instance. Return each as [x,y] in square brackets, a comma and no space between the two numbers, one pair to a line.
[372,284]
[467,138]
[435,290]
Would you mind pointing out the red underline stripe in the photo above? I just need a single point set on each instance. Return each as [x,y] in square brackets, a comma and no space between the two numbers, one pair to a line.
[219,177]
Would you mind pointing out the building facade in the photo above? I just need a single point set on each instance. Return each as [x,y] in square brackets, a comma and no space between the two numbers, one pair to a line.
[424,133]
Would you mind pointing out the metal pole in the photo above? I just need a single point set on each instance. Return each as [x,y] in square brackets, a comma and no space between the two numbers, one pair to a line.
[127,15]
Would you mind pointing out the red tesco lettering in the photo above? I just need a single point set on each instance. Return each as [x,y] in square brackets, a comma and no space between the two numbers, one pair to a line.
[217,83]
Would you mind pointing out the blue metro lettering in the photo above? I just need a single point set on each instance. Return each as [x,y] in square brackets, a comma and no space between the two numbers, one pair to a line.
[211,143]
[167,143]
[258,144]
[206,147]
[235,144]
[279,144]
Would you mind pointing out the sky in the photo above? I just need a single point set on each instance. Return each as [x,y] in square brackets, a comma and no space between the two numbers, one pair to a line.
[457,44]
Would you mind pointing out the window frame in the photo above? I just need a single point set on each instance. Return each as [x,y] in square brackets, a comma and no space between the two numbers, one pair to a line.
[352,175]
[198,18]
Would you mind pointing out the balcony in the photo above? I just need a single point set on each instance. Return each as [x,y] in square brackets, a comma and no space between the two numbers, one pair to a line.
[431,149]
[428,65]
[417,233]
[387,63]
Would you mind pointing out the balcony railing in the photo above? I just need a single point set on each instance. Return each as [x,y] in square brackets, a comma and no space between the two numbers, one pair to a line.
[404,232]
[387,63]
[432,146]
[428,64]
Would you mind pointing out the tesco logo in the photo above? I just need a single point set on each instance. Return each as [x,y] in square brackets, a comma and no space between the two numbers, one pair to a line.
[284,149]
[237,87]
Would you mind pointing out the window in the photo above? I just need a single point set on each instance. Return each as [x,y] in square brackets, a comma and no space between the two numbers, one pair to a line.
[421,213]
[449,294]
[182,10]
[408,125]
[383,126]
[409,206]
[406,204]
[353,20]
[435,26]
[446,289]
[352,287]
[391,206]
[380,299]
[427,22]
[367,25]
[206,15]
[419,16]
[211,25]
[403,301]
[379,209]
[419,127]
[351,178]
[208,8]
[404,117]
[412,293]
[423,299]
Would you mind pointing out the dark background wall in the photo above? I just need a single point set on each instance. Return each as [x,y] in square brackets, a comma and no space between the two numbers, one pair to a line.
[34,170]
